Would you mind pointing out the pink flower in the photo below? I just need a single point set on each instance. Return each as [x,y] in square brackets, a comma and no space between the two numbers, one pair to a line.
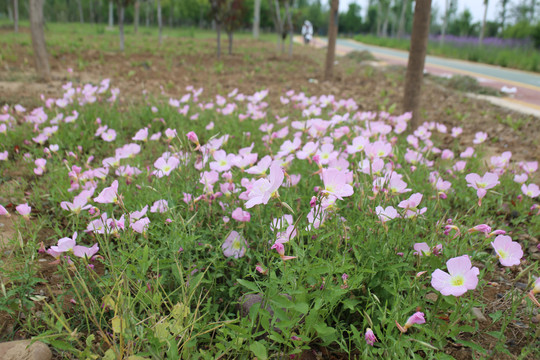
[521,178]
[223,161]
[40,166]
[109,135]
[416,318]
[424,249]
[165,166]
[80,202]
[141,135]
[193,138]
[480,137]
[370,337]
[456,131]
[482,184]
[4,212]
[160,206]
[411,205]
[467,153]
[234,246]
[140,226]
[108,195]
[239,215]
[3,156]
[335,183]
[386,214]
[461,277]
[70,245]
[263,189]
[24,210]
[280,248]
[509,252]
[531,190]
[484,228]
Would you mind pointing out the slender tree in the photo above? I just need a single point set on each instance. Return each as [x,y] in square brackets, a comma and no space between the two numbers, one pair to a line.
[217,16]
[332,37]
[136,17]
[401,27]
[483,31]
[111,14]
[502,14]
[81,13]
[278,23]
[16,15]
[160,21]
[289,26]
[92,14]
[121,12]
[445,22]
[256,19]
[38,40]
[417,57]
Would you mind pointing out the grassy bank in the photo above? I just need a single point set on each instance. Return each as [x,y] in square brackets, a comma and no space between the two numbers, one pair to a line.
[515,58]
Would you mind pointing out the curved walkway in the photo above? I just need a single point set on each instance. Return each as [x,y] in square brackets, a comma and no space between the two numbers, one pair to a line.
[527,84]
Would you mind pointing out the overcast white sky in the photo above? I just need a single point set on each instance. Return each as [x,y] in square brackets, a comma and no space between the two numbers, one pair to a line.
[475,6]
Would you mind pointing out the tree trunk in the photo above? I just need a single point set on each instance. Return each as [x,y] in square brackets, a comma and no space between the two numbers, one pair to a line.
[16,15]
[483,31]
[279,25]
[121,10]
[218,30]
[38,40]
[160,24]
[257,19]
[171,15]
[379,16]
[401,27]
[533,11]
[147,14]
[445,22]
[230,35]
[136,16]
[290,26]
[92,14]
[332,37]
[417,57]
[111,14]
[81,14]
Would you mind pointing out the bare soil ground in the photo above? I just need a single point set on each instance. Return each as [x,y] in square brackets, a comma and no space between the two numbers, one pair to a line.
[255,65]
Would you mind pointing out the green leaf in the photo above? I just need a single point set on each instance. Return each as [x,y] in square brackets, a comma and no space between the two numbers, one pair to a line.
[471,345]
[496,316]
[324,330]
[302,308]
[350,303]
[251,286]
[259,350]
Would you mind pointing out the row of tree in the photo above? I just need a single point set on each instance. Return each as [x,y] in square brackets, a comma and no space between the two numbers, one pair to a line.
[382,17]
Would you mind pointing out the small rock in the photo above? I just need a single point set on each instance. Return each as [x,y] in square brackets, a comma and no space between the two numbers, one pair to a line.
[535,319]
[432,296]
[521,285]
[533,249]
[477,312]
[22,350]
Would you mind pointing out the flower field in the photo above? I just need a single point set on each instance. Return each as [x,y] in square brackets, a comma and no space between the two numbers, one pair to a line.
[200,227]
[259,213]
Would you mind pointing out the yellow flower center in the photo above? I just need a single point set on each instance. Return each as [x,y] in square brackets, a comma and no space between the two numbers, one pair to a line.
[457,280]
